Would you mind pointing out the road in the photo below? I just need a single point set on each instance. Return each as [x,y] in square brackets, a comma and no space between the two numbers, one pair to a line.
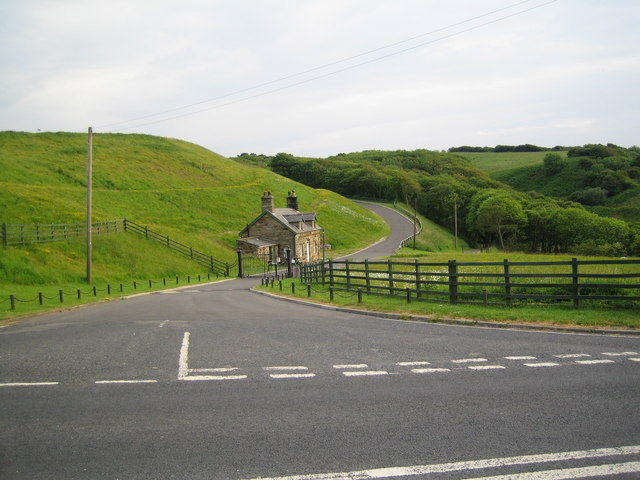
[216,382]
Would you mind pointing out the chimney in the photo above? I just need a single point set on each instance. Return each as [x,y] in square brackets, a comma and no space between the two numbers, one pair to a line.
[292,200]
[267,202]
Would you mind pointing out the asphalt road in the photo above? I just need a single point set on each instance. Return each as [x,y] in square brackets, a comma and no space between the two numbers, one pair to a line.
[217,382]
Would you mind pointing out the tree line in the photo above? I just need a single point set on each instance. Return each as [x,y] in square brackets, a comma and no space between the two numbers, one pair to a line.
[442,185]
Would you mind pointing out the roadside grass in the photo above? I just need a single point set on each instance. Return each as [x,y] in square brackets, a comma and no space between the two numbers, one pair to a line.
[547,315]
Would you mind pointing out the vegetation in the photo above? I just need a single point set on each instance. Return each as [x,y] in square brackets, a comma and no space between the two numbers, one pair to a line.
[443,184]
[176,188]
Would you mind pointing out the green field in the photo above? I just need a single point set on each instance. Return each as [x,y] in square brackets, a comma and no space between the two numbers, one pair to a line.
[497,163]
[178,189]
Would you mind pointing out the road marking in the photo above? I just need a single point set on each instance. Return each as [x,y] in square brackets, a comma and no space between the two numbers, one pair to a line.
[357,365]
[213,370]
[593,362]
[286,368]
[430,370]
[523,357]
[367,373]
[183,361]
[470,360]
[541,364]
[635,359]
[29,384]
[620,354]
[391,472]
[412,364]
[101,382]
[570,473]
[572,355]
[486,367]
[204,378]
[292,375]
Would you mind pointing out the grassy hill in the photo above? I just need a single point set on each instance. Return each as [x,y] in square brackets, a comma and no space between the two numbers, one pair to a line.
[179,189]
[497,164]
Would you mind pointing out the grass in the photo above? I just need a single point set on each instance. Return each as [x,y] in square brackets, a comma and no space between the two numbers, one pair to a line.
[178,189]
[497,163]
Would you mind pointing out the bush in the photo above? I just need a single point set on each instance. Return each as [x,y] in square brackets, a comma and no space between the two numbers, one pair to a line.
[554,162]
[590,196]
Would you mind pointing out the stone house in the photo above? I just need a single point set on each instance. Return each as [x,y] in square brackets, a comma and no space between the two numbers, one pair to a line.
[277,229]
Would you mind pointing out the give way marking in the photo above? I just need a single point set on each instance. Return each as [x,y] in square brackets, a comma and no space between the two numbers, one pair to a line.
[543,459]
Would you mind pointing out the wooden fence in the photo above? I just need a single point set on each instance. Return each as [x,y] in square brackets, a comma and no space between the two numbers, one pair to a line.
[573,281]
[40,233]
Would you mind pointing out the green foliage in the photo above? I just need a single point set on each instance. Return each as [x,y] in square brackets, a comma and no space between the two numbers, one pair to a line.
[493,211]
[554,162]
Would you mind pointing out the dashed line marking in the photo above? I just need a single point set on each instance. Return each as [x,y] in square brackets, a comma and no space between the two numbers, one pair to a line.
[431,370]
[572,355]
[593,362]
[541,364]
[356,365]
[619,354]
[486,367]
[635,359]
[470,360]
[102,382]
[292,375]
[521,357]
[29,384]
[213,370]
[412,364]
[276,368]
[367,373]
[204,378]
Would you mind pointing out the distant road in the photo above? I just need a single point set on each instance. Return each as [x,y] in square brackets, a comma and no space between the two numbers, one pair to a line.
[401,228]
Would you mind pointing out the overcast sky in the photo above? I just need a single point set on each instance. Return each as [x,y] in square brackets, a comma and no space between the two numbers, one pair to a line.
[320,77]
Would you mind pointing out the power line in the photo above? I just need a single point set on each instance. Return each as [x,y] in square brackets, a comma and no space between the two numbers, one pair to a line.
[334,72]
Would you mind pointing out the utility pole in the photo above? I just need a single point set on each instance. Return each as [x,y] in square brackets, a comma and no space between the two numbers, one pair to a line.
[89,185]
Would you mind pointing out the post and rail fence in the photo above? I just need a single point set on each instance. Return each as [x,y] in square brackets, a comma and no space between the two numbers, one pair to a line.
[572,281]
[13,235]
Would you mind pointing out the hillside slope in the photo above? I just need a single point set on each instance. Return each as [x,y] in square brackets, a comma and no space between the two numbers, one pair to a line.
[179,189]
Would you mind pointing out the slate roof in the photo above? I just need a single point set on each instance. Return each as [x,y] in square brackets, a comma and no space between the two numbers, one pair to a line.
[291,219]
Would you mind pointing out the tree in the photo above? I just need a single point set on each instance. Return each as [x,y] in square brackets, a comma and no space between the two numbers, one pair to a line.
[554,162]
[499,214]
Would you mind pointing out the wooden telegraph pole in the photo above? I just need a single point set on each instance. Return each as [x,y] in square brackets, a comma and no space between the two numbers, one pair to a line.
[89,185]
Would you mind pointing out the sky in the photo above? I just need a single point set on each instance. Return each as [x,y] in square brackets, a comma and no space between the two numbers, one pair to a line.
[319,77]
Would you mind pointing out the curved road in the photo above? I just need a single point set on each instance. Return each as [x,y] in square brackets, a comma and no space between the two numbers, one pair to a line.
[214,382]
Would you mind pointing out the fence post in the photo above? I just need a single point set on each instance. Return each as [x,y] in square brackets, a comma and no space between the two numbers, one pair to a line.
[331,273]
[79,293]
[576,286]
[367,280]
[418,294]
[4,235]
[347,273]
[12,301]
[61,296]
[146,232]
[95,290]
[408,295]
[308,290]
[453,282]
[507,282]
[40,298]
[331,293]
[390,273]
[240,264]
[293,287]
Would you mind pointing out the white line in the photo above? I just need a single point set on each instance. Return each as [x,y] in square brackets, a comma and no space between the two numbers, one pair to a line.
[461,466]
[101,382]
[572,355]
[412,364]
[356,365]
[28,384]
[542,364]
[593,362]
[292,375]
[470,360]
[523,357]
[486,367]
[368,373]
[213,370]
[286,368]
[619,354]
[570,473]
[183,362]
[205,378]
[430,370]
[635,359]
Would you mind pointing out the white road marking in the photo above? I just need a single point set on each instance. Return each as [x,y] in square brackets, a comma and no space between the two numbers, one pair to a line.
[593,362]
[286,368]
[541,364]
[292,375]
[183,361]
[101,382]
[412,364]
[365,373]
[357,365]
[430,370]
[391,472]
[635,359]
[470,360]
[523,357]
[572,355]
[29,384]
[162,324]
[486,367]
[570,473]
[620,354]
[204,378]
